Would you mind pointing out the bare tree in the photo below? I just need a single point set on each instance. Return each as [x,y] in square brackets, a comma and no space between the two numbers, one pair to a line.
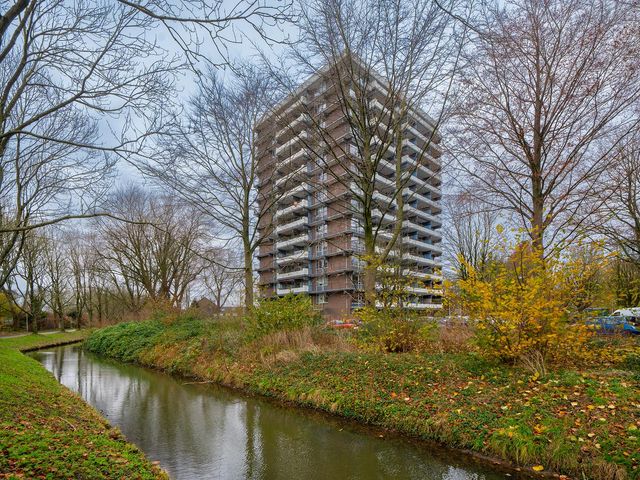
[619,216]
[155,253]
[383,63]
[192,25]
[212,165]
[625,282]
[56,277]
[27,281]
[546,96]
[81,84]
[472,236]
[204,25]
[222,277]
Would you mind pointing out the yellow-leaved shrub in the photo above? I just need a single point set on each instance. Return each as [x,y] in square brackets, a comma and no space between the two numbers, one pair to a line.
[523,310]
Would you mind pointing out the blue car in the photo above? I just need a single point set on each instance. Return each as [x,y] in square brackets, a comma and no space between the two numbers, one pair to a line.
[616,323]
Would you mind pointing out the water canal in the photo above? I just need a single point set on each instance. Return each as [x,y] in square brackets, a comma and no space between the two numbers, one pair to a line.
[208,432]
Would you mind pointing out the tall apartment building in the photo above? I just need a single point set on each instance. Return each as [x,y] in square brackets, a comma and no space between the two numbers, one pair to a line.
[313,234]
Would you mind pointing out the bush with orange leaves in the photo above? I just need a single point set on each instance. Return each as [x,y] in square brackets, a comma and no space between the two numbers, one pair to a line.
[526,309]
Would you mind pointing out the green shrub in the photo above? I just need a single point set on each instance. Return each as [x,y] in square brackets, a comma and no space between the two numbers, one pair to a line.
[125,341]
[287,313]
[394,330]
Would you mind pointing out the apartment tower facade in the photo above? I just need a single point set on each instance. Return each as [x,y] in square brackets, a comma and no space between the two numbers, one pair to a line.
[312,237]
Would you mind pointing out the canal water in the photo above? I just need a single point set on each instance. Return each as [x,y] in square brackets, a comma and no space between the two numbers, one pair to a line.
[201,431]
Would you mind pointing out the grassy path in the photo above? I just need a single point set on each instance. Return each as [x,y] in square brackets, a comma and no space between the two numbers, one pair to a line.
[47,431]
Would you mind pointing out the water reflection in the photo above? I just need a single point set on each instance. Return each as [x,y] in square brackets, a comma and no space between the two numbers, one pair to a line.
[205,432]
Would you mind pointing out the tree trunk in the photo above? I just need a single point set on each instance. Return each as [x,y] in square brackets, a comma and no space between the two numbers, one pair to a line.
[371,268]
[537,219]
[248,279]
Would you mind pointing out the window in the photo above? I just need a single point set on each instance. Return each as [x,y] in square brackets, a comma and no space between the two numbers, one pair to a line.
[321,230]
[321,265]
[357,244]
[321,213]
[322,195]
[322,283]
[322,298]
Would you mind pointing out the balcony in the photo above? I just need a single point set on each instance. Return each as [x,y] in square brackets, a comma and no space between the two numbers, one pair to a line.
[419,274]
[409,225]
[294,290]
[386,216]
[302,255]
[298,103]
[421,213]
[301,136]
[410,194]
[423,306]
[292,226]
[294,159]
[297,172]
[302,118]
[303,272]
[421,260]
[421,167]
[423,245]
[292,242]
[297,206]
[298,192]
[425,291]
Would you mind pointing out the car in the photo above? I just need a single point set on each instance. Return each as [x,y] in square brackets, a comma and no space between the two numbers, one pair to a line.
[621,321]
[633,312]
[342,324]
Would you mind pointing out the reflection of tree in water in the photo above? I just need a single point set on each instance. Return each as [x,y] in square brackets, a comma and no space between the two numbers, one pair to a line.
[198,431]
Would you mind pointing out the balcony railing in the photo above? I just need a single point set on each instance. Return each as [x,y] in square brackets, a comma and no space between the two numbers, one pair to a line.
[421,260]
[299,192]
[294,257]
[424,290]
[421,244]
[298,172]
[299,205]
[423,306]
[294,290]
[301,136]
[303,272]
[408,224]
[419,274]
[292,225]
[292,242]
[303,117]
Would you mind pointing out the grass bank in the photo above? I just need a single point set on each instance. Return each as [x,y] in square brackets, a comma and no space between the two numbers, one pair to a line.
[580,423]
[47,431]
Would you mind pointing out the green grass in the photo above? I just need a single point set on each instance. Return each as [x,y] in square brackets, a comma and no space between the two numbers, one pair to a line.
[583,423]
[46,431]
[31,341]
